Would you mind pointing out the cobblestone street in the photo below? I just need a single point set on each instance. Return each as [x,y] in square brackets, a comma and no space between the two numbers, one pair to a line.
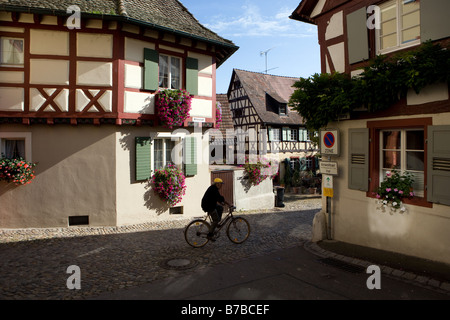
[34,262]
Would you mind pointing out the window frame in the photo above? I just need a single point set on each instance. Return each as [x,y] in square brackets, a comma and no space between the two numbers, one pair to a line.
[5,64]
[399,17]
[26,136]
[374,153]
[169,67]
[275,134]
[403,153]
[293,134]
[176,161]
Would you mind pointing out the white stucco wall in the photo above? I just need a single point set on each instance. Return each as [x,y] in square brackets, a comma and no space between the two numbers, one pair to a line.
[252,197]
[74,177]
[136,201]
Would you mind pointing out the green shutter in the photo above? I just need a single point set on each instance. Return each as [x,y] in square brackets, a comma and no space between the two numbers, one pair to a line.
[434,21]
[285,134]
[438,164]
[302,135]
[143,158]
[192,76]
[270,134]
[190,156]
[151,69]
[358,159]
[358,44]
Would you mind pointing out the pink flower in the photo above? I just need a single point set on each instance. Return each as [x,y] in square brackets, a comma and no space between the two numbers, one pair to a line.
[388,189]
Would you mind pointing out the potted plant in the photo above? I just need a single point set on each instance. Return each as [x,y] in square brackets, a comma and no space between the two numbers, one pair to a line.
[169,184]
[173,107]
[218,114]
[17,171]
[393,190]
[296,181]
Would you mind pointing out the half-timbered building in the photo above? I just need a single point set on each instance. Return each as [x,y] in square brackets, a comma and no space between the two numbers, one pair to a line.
[411,135]
[259,103]
[78,83]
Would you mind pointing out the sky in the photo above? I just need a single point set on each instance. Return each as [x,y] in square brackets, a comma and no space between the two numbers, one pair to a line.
[257,26]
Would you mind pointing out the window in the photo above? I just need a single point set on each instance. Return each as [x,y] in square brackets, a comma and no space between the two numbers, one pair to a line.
[282,109]
[290,134]
[169,72]
[15,145]
[162,153]
[404,150]
[293,135]
[274,134]
[400,25]
[394,144]
[11,51]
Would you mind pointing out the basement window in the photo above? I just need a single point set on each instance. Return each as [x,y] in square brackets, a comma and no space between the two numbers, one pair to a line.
[176,210]
[78,221]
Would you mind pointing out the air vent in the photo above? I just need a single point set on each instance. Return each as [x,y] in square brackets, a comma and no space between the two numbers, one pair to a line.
[78,220]
[358,158]
[442,164]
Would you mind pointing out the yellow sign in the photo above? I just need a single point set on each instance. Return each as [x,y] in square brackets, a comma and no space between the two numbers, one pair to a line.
[327,183]
[327,192]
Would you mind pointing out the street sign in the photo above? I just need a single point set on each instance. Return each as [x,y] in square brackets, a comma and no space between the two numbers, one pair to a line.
[329,142]
[327,185]
[328,167]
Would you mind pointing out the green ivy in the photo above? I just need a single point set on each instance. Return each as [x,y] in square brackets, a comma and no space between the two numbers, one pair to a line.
[323,98]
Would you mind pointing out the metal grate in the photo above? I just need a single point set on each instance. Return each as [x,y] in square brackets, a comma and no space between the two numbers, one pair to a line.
[178,263]
[353,268]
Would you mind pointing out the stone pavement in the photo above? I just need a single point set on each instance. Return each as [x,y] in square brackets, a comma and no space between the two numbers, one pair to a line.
[34,262]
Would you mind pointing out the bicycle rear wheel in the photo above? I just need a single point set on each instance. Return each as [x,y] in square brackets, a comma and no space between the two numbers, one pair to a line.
[196,233]
[238,230]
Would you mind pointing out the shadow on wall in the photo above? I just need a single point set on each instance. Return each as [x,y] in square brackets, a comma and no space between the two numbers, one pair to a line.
[152,200]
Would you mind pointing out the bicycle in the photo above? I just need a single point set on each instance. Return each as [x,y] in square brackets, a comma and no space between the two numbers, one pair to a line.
[196,232]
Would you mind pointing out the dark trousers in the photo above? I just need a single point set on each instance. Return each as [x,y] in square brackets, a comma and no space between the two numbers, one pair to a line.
[216,216]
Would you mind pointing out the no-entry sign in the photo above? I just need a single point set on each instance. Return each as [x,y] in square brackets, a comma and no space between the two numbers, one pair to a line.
[329,142]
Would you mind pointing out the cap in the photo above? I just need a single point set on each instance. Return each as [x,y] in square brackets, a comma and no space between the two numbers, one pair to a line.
[218,180]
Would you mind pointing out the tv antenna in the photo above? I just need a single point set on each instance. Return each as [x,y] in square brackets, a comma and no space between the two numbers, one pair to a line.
[265,53]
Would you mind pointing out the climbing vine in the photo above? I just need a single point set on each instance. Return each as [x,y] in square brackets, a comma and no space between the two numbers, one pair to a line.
[323,98]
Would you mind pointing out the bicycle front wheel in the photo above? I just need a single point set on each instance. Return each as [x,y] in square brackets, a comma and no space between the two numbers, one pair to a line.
[196,233]
[238,230]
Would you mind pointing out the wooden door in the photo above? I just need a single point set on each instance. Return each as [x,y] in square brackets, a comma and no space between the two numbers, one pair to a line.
[227,188]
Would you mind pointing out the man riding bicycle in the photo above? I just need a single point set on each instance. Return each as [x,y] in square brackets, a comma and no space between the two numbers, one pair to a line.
[212,203]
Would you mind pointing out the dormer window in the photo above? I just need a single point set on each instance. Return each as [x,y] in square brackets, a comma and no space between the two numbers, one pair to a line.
[11,51]
[282,109]
[276,103]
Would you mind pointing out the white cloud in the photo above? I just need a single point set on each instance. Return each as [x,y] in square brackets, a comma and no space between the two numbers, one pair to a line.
[253,23]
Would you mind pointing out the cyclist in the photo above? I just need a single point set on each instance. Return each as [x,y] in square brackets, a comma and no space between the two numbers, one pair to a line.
[212,203]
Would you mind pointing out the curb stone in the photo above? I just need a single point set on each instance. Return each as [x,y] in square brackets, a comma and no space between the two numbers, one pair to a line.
[409,277]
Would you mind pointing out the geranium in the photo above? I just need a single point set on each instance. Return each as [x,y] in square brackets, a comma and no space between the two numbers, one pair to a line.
[17,170]
[169,184]
[393,189]
[218,114]
[173,107]
[259,170]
